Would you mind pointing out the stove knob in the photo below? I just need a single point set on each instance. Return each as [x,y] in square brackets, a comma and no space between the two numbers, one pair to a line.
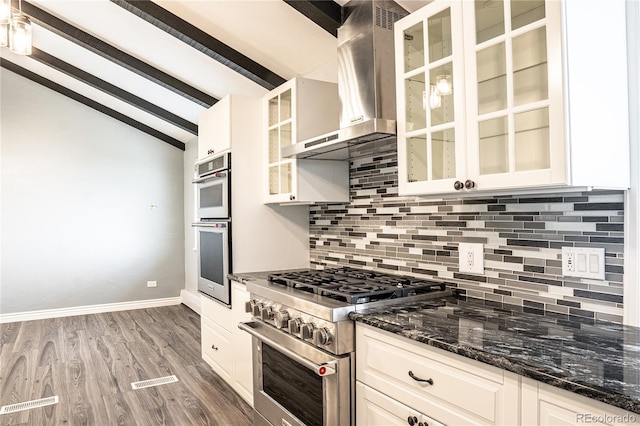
[321,337]
[294,326]
[255,308]
[281,319]
[266,313]
[307,331]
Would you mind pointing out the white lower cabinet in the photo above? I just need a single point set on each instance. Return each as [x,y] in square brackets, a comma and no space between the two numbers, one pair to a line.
[546,405]
[454,390]
[225,347]
[447,388]
[374,408]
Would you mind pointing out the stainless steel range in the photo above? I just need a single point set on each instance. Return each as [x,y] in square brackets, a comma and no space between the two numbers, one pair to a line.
[304,341]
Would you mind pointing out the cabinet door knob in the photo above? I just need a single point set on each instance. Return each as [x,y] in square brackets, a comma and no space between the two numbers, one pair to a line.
[292,197]
[469,184]
[418,379]
[214,347]
[211,151]
[458,185]
[412,420]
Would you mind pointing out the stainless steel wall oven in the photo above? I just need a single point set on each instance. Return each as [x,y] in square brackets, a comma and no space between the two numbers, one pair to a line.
[213,226]
[213,187]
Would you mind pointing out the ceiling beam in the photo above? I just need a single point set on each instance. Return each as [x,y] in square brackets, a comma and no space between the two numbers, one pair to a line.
[99,47]
[4,63]
[113,90]
[326,14]
[200,40]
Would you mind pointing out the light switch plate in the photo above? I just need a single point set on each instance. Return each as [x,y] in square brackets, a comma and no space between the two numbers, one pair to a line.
[583,262]
[471,258]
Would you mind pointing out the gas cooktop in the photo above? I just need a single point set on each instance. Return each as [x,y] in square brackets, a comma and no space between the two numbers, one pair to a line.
[355,286]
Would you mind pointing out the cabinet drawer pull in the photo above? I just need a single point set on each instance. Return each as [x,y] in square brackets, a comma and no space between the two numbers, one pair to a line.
[214,347]
[418,379]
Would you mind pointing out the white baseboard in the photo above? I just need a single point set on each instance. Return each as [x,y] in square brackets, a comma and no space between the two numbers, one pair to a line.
[91,309]
[191,299]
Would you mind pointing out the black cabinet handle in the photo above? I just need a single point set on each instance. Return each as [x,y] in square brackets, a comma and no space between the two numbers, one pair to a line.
[292,197]
[412,420]
[458,185]
[418,379]
[214,347]
[469,184]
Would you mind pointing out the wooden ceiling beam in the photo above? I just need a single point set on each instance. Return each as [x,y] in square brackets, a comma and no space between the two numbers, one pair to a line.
[200,40]
[6,64]
[113,90]
[105,50]
[326,14]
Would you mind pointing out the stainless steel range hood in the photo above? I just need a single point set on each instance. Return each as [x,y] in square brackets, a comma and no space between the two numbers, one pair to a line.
[366,83]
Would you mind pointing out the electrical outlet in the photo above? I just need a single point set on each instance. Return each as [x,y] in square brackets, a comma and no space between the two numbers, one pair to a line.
[471,258]
[152,283]
[583,262]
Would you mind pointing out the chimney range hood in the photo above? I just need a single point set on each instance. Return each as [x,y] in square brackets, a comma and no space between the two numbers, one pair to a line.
[366,84]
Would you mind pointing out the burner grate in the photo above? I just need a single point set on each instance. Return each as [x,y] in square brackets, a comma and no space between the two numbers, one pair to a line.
[353,285]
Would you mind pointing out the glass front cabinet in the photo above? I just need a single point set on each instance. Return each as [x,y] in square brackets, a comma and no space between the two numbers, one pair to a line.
[483,99]
[295,111]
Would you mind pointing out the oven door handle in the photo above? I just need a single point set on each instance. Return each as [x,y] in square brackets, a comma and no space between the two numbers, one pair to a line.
[216,175]
[324,369]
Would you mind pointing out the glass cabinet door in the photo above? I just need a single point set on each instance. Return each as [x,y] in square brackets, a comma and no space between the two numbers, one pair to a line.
[510,84]
[430,101]
[279,121]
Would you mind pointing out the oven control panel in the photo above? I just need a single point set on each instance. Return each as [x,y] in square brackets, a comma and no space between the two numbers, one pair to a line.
[316,331]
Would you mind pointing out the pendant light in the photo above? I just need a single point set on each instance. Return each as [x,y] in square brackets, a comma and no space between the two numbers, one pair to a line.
[20,39]
[443,83]
[5,17]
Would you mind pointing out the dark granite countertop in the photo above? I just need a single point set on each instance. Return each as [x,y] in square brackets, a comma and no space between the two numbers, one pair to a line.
[596,359]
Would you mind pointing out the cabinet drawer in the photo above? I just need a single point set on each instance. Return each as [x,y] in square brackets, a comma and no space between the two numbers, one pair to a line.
[216,312]
[459,393]
[217,348]
[374,408]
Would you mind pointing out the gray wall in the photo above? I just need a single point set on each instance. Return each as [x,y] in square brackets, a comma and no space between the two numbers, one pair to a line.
[77,188]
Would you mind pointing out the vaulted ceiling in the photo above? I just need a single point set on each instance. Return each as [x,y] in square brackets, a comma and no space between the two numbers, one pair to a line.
[157,65]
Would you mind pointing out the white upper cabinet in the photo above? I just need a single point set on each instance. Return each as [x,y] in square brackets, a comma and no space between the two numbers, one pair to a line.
[214,128]
[295,111]
[506,95]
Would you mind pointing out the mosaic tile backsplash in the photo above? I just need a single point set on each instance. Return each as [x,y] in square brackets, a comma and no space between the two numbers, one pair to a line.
[522,235]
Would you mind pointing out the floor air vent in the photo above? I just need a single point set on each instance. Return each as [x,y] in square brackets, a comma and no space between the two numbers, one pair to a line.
[154,382]
[36,403]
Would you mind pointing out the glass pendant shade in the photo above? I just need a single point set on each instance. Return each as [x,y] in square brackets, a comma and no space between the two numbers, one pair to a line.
[20,35]
[443,83]
[435,100]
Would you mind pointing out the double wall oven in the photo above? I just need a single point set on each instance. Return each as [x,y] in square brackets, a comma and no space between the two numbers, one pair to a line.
[213,226]
[304,341]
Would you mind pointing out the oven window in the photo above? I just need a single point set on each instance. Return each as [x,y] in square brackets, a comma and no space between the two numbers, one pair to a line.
[295,387]
[212,256]
[211,196]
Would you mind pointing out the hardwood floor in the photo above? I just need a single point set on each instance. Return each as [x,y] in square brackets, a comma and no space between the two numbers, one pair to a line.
[90,361]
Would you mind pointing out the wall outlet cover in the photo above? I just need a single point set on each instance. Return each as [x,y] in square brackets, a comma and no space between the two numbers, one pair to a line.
[583,262]
[471,258]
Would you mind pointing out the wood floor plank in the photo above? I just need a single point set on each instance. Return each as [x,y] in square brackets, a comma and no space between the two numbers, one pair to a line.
[89,361]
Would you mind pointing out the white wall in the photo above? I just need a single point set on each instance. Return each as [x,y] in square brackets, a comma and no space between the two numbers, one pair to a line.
[191,298]
[77,188]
